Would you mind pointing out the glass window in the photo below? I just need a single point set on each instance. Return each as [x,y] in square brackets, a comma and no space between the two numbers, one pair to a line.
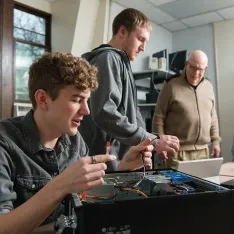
[29,27]
[31,41]
[25,55]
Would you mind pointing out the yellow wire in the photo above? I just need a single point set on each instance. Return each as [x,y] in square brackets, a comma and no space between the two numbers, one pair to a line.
[135,190]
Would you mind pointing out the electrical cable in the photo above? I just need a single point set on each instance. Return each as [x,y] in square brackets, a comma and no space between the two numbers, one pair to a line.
[134,190]
[143,176]
[142,159]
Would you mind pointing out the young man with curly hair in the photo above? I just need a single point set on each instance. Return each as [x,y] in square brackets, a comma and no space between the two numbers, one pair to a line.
[43,157]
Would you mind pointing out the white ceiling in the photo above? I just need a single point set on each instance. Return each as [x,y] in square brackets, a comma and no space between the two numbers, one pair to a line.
[176,15]
[50,1]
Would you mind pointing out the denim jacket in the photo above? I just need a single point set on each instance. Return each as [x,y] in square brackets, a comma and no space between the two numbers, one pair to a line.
[26,165]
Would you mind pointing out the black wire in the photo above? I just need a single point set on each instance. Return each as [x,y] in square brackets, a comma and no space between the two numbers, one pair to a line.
[143,177]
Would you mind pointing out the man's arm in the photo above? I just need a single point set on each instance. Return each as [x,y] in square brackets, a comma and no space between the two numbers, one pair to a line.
[140,119]
[141,123]
[80,176]
[31,214]
[106,100]
[161,109]
[45,229]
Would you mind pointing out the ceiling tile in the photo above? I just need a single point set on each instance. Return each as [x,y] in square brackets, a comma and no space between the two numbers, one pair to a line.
[202,19]
[186,8]
[174,26]
[126,3]
[160,2]
[158,16]
[227,13]
[152,12]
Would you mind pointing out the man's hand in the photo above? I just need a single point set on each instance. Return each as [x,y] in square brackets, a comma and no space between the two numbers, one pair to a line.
[163,155]
[132,160]
[84,174]
[215,151]
[167,143]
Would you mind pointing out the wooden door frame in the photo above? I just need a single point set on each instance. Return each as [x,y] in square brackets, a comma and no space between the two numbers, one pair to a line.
[7,60]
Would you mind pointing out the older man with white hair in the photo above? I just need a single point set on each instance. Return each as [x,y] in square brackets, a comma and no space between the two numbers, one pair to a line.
[186,109]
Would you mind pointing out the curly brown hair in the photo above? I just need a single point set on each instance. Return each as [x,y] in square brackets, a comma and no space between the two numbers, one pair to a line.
[130,18]
[54,71]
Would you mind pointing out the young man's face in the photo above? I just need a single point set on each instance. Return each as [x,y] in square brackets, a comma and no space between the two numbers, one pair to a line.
[135,41]
[67,110]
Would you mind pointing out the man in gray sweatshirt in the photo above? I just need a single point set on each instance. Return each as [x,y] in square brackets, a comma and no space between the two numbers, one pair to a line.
[115,116]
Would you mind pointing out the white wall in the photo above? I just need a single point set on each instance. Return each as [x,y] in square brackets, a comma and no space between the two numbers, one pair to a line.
[160,39]
[63,27]
[115,9]
[38,4]
[102,24]
[85,26]
[224,48]
[198,38]
[81,27]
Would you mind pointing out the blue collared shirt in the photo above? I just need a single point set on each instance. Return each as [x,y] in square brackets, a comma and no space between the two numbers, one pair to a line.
[26,165]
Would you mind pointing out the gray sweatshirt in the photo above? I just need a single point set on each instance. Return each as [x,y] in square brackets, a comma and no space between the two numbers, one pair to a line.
[113,106]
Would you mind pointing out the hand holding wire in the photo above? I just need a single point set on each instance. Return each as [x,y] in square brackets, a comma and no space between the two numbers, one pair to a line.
[138,154]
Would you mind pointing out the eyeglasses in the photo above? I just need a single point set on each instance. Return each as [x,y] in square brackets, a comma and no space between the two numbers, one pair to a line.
[194,68]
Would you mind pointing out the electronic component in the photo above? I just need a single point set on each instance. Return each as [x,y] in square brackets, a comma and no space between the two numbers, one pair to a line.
[119,206]
[138,185]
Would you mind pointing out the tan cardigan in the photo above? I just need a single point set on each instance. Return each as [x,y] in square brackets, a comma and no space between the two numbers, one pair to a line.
[188,113]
